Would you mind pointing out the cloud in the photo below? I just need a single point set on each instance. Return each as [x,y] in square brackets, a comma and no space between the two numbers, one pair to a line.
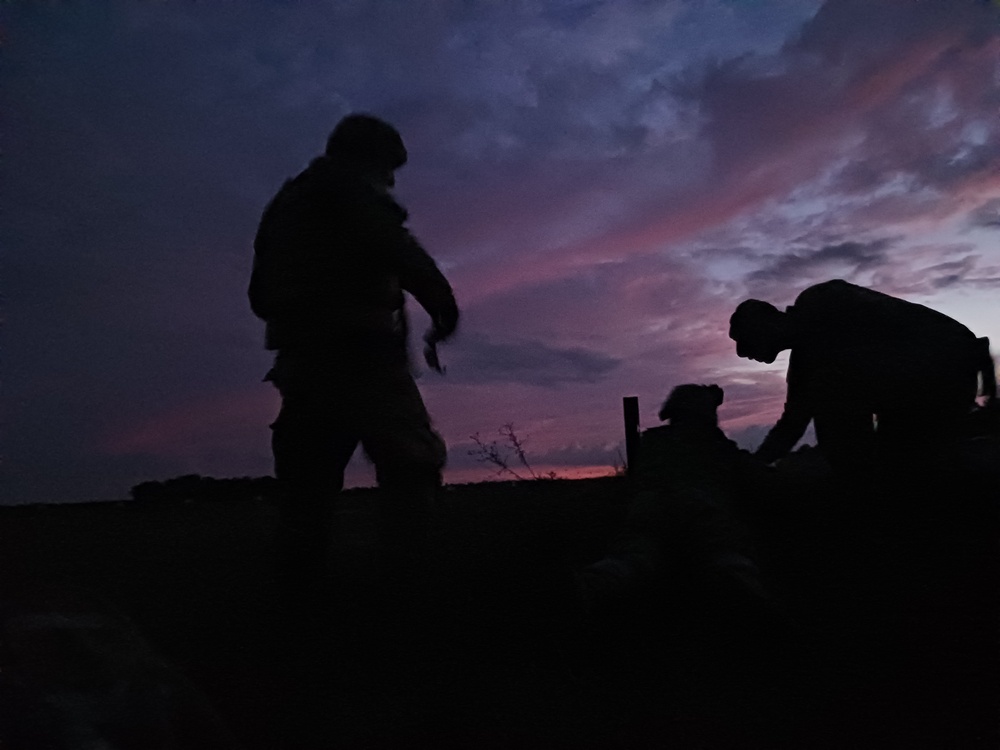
[795,266]
[986,216]
[583,453]
[770,123]
[931,269]
[949,274]
[481,360]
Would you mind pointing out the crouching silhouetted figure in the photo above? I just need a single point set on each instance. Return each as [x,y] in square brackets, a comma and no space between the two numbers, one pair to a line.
[681,525]
[887,383]
[332,259]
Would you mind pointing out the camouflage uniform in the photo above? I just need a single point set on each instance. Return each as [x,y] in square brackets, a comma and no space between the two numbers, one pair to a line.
[688,476]
[332,260]
[682,526]
[860,354]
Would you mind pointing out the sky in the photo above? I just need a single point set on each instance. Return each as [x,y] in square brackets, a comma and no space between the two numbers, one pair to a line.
[602,182]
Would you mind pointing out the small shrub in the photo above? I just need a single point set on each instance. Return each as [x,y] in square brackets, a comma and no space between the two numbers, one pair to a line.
[505,452]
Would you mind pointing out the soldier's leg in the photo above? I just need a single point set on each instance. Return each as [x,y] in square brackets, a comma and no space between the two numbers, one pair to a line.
[311,449]
[408,456]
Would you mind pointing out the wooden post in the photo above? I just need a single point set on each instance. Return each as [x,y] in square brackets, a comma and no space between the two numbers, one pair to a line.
[630,405]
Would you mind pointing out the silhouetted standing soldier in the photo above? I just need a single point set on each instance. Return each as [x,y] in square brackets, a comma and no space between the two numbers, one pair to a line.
[883,379]
[332,259]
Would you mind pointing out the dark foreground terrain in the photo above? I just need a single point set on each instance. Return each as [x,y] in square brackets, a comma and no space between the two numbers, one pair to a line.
[164,618]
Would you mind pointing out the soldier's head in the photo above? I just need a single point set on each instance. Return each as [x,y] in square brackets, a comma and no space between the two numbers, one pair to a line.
[760,331]
[692,404]
[371,146]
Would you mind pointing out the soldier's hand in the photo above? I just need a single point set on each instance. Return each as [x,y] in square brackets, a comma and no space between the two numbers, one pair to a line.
[445,322]
[431,353]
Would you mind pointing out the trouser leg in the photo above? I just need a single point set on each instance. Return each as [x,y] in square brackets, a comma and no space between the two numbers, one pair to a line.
[408,456]
[310,453]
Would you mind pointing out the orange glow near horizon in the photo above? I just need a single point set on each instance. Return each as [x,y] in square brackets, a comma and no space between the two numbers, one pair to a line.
[479,474]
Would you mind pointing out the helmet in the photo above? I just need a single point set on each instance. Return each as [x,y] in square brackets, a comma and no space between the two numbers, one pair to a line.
[365,139]
[693,404]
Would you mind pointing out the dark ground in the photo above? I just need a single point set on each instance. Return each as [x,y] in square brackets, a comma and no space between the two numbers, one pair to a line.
[891,640]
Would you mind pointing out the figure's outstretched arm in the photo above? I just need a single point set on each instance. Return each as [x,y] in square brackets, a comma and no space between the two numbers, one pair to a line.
[796,415]
[784,435]
[987,371]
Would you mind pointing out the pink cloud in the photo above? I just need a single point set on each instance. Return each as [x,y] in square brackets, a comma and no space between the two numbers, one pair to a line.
[797,149]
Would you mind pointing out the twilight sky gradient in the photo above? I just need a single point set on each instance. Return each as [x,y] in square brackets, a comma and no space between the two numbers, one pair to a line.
[602,182]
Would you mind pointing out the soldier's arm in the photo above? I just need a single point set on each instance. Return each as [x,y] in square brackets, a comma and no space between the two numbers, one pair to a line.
[418,274]
[787,431]
[421,277]
[794,420]
[987,370]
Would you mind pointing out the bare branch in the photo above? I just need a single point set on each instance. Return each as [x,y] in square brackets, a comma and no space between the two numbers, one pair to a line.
[491,453]
[500,454]
[517,444]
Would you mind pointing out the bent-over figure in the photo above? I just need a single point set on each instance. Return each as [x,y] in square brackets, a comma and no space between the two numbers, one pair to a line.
[884,380]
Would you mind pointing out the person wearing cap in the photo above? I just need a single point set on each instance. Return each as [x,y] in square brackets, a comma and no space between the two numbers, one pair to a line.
[332,260]
[883,380]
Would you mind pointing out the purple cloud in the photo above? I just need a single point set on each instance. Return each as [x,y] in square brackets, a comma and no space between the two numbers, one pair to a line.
[480,360]
[794,266]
